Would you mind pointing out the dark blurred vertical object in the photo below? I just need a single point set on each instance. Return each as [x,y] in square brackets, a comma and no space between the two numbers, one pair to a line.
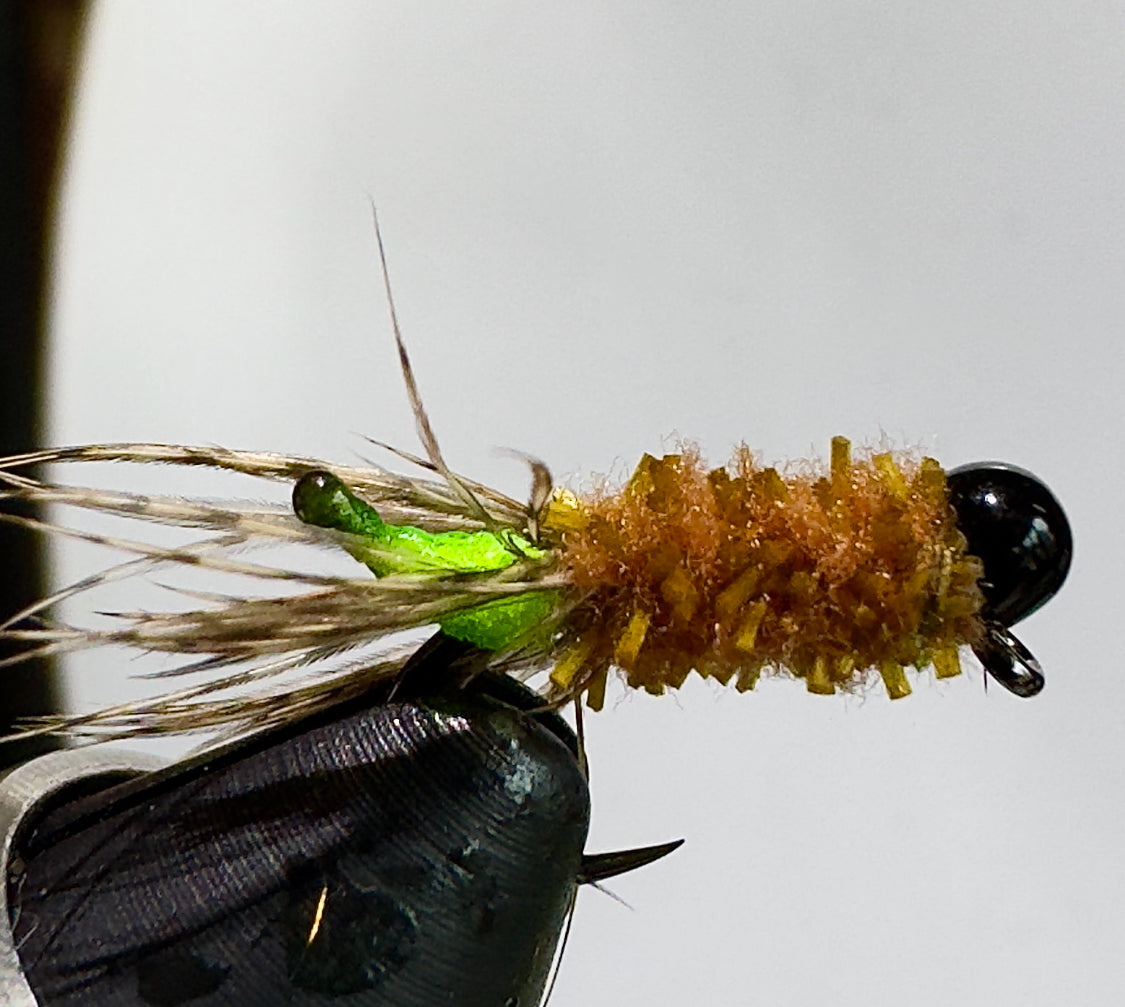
[39,45]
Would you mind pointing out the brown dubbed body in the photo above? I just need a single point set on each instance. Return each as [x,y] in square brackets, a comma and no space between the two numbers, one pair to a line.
[736,571]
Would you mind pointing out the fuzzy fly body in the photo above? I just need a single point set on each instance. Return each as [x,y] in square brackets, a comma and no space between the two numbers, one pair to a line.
[870,566]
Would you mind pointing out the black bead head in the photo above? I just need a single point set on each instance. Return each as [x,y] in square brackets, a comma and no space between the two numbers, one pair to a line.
[1018,530]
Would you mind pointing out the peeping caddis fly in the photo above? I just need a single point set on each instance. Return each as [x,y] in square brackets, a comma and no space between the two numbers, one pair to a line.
[837,575]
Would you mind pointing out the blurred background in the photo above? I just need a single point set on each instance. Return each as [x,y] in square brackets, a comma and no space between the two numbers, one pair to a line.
[611,225]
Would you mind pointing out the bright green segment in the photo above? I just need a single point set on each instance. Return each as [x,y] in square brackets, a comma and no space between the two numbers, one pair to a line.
[320,499]
[495,624]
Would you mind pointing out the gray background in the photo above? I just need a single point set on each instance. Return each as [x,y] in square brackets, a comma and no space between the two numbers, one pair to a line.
[609,223]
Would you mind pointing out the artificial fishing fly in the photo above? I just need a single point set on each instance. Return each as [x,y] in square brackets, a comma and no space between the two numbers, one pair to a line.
[877,563]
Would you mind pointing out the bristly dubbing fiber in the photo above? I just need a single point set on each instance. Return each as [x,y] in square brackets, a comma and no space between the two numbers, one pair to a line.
[736,571]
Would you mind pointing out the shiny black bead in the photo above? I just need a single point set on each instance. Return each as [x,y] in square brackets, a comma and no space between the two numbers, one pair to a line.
[1018,530]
